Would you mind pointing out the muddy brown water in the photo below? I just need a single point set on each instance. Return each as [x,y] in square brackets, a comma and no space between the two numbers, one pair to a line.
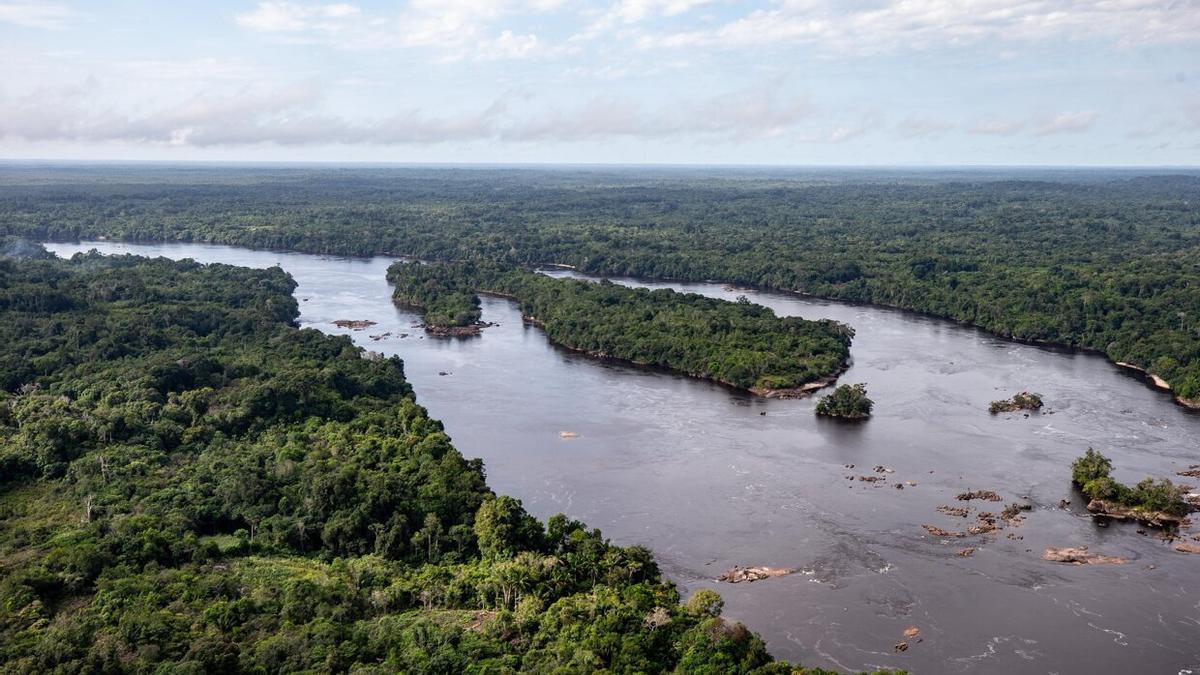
[699,474]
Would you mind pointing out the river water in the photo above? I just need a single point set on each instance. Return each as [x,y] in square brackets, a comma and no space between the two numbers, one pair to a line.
[709,478]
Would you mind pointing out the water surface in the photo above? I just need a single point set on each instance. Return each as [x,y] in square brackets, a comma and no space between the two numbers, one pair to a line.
[708,477]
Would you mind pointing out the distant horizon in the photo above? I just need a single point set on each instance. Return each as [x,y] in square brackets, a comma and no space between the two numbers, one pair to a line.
[613,82]
[566,164]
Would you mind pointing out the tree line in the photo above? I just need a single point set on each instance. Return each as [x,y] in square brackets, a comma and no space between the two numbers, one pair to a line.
[738,343]
[1104,260]
[190,483]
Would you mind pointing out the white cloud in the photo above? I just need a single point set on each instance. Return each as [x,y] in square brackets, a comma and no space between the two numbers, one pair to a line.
[455,28]
[292,115]
[920,127]
[923,24]
[1066,122]
[752,113]
[282,116]
[1039,125]
[36,15]
[997,127]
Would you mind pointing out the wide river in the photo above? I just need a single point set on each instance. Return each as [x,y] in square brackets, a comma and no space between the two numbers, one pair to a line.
[710,478]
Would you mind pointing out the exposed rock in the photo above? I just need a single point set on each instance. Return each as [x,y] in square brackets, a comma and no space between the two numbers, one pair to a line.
[883,469]
[1192,471]
[911,632]
[353,324]
[939,532]
[1103,509]
[981,494]
[966,552]
[568,434]
[797,392]
[1080,556]
[956,511]
[986,524]
[1187,548]
[1022,401]
[456,331]
[872,479]
[736,574]
[1012,513]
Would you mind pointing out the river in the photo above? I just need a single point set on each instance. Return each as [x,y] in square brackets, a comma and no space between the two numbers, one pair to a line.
[708,477]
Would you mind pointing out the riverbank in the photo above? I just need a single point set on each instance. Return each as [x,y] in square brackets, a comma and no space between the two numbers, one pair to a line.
[1160,383]
[796,392]
[691,470]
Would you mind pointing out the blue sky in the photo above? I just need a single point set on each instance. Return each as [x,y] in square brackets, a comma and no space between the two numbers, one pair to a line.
[796,82]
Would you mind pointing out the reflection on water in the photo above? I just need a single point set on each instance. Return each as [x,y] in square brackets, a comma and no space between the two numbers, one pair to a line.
[695,471]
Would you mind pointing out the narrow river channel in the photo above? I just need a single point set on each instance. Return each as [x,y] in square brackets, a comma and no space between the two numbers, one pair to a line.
[709,478]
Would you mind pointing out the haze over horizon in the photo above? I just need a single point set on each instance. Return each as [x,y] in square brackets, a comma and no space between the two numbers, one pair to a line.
[788,82]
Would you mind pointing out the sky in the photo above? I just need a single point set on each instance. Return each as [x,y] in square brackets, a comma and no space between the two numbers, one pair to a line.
[776,82]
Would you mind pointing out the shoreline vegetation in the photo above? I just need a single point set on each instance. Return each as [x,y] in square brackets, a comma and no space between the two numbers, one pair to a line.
[190,482]
[848,401]
[1090,259]
[1157,503]
[738,344]
[1025,400]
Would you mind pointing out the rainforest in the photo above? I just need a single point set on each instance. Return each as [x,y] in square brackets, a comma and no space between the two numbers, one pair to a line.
[189,482]
[1104,260]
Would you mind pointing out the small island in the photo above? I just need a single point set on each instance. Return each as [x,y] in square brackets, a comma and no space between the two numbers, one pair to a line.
[849,401]
[739,344]
[1156,503]
[1023,401]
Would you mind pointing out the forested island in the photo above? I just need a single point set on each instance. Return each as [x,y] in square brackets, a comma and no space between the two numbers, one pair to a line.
[848,401]
[740,344]
[1100,259]
[190,483]
[1155,502]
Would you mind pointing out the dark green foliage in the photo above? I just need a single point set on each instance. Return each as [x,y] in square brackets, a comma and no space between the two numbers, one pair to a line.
[1091,466]
[738,343]
[188,483]
[445,295]
[1090,473]
[848,401]
[1022,401]
[1108,260]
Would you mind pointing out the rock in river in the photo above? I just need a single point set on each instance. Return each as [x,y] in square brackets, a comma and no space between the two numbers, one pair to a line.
[1080,556]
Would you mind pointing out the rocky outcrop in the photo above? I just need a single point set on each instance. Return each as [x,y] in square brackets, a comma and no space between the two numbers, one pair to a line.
[456,331]
[1103,509]
[1080,556]
[795,392]
[736,574]
[353,324]
[987,495]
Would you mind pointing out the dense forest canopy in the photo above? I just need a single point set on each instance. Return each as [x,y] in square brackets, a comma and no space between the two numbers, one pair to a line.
[739,343]
[1102,259]
[189,483]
